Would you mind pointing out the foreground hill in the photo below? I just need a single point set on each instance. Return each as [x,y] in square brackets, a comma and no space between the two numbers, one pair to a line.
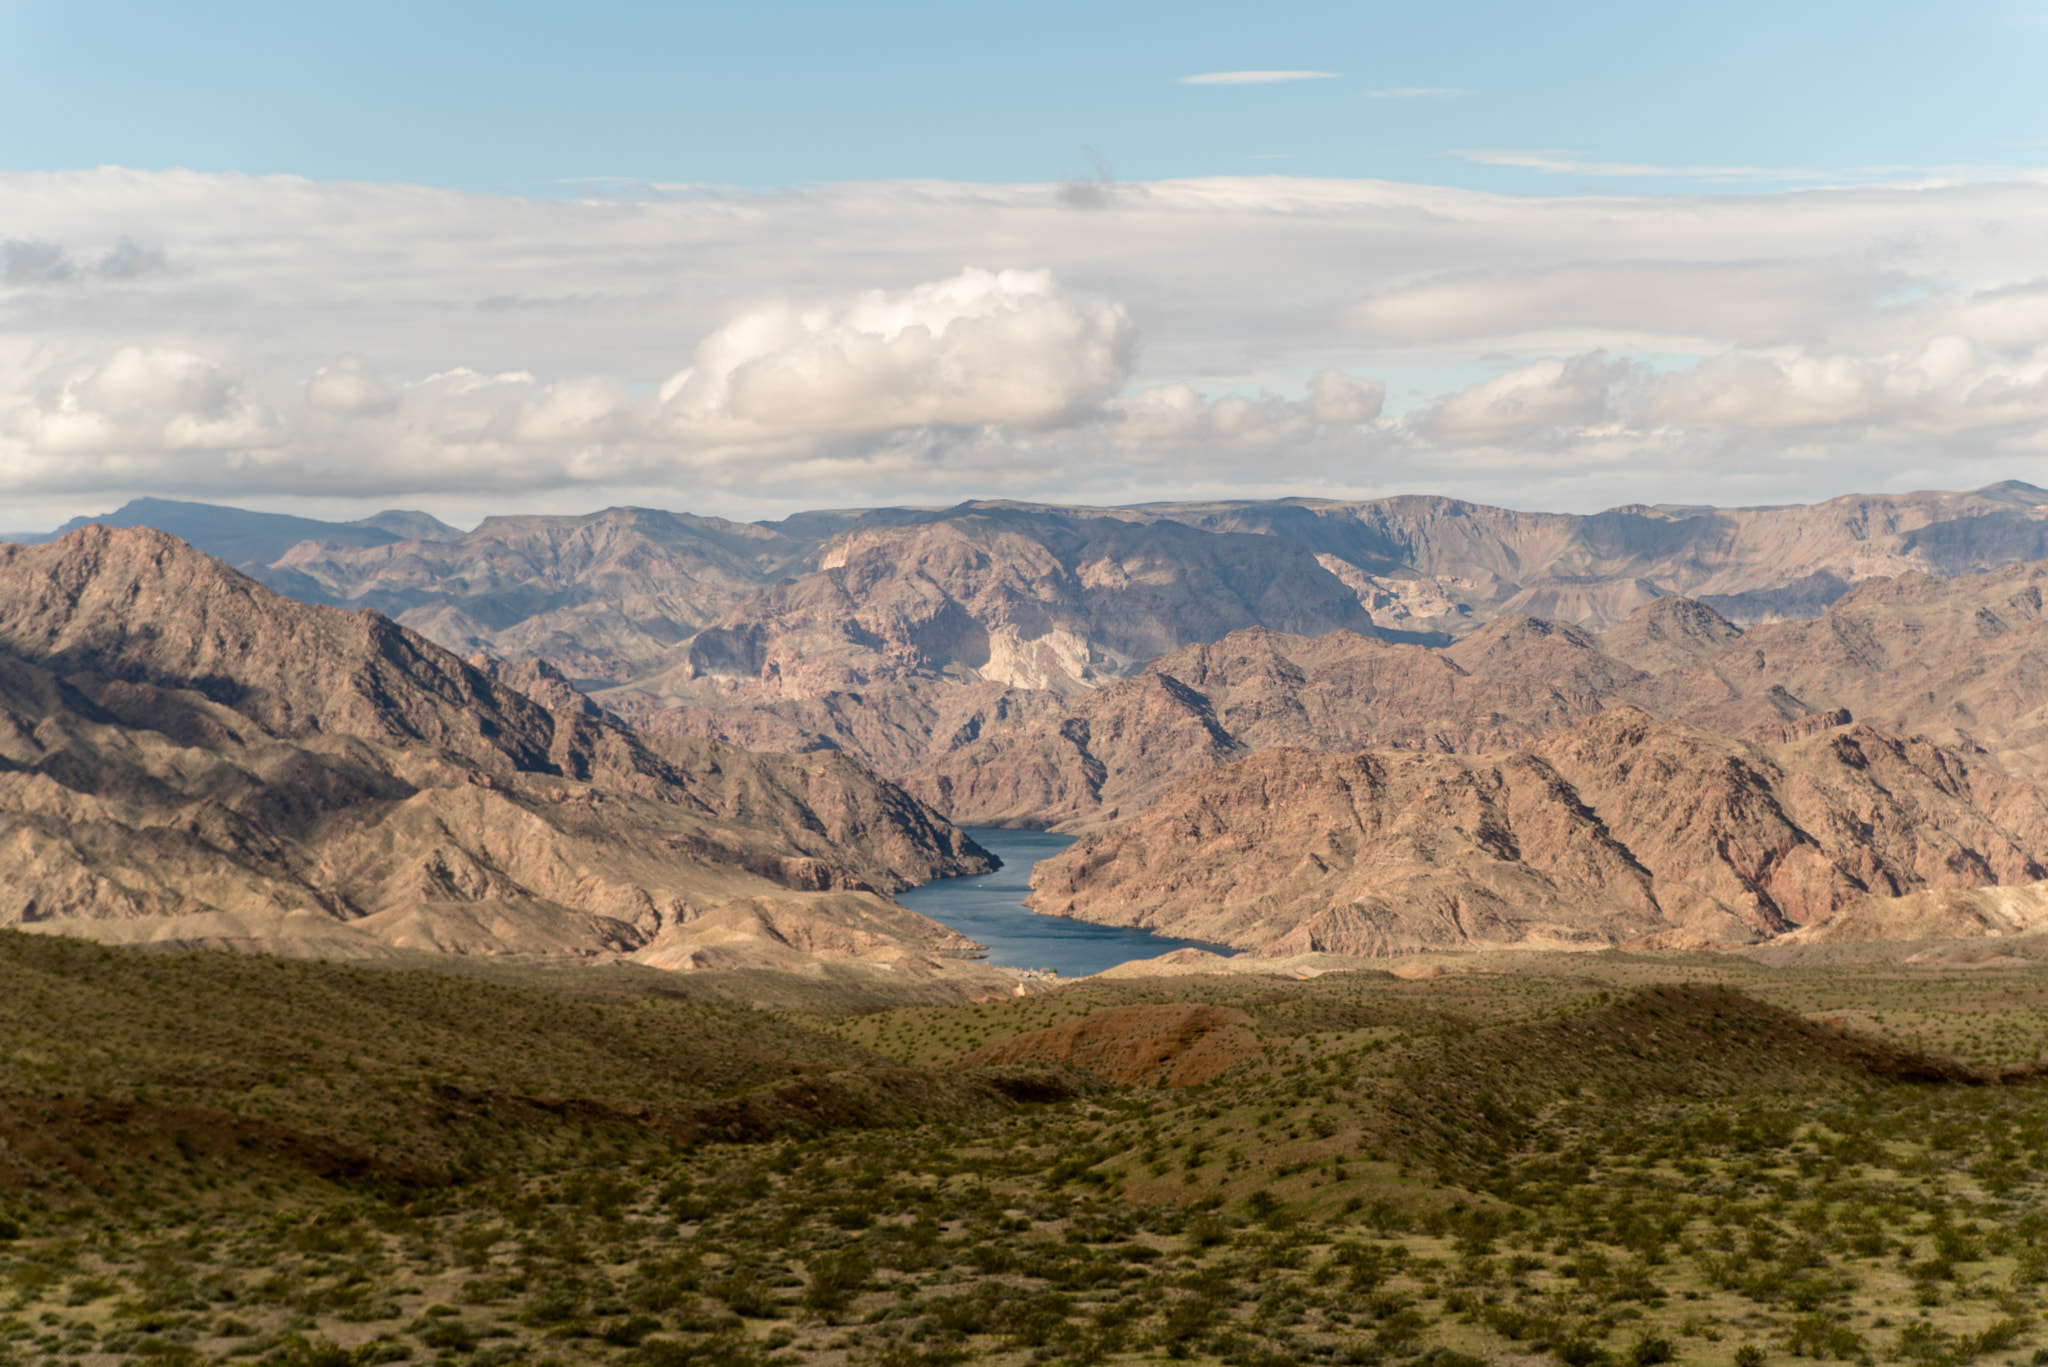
[187,756]
[215,1158]
[1621,830]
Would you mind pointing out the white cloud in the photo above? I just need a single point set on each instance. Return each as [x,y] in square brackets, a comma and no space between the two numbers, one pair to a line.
[1753,302]
[33,263]
[715,349]
[984,347]
[349,386]
[1257,77]
[1525,402]
[146,401]
[1335,398]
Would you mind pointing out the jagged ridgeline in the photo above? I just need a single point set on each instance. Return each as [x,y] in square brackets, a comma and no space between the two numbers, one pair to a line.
[1363,727]
[188,758]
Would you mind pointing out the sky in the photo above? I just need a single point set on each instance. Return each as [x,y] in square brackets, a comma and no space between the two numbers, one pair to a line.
[749,259]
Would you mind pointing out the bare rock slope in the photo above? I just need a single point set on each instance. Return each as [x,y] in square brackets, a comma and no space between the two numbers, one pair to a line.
[1621,830]
[1108,753]
[187,756]
[1963,661]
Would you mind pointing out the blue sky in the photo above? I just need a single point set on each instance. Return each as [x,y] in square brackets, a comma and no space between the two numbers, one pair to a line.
[745,259]
[522,97]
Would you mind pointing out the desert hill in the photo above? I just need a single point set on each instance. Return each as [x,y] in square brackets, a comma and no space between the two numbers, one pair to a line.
[1933,914]
[187,756]
[252,541]
[925,638]
[1620,830]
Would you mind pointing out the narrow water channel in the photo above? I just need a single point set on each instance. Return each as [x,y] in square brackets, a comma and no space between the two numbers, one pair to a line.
[990,908]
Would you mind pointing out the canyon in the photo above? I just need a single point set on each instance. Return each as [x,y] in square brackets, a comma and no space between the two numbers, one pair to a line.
[1850,695]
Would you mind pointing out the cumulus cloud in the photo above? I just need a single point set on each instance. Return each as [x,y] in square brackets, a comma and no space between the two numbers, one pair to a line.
[1950,385]
[1178,423]
[349,386]
[1335,398]
[1008,348]
[146,401]
[1526,402]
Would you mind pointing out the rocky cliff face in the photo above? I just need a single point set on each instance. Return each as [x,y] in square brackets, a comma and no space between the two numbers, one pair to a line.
[1026,598]
[1108,753]
[1962,660]
[186,755]
[1620,830]
[1957,660]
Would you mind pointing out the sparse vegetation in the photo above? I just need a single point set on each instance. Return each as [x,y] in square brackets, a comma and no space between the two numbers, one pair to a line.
[1565,1164]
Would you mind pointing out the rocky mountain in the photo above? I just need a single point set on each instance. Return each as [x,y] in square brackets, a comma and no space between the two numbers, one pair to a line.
[1962,660]
[1447,565]
[1108,753]
[1623,829]
[187,756]
[1023,597]
[1958,660]
[605,596]
[619,597]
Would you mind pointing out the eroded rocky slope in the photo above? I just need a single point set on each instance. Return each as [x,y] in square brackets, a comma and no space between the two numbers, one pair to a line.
[1621,830]
[187,756]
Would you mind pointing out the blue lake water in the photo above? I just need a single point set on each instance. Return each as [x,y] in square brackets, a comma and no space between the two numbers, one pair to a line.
[990,908]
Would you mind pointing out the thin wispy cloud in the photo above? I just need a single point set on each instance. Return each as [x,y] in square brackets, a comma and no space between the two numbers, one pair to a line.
[1554,162]
[1573,164]
[1257,77]
[1417,92]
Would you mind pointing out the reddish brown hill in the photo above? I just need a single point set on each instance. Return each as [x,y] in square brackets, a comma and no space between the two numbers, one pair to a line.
[1160,1046]
[1622,829]
[1110,752]
[1963,660]
[1669,633]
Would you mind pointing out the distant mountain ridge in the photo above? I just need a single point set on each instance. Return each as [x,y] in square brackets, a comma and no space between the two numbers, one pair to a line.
[252,541]
[619,597]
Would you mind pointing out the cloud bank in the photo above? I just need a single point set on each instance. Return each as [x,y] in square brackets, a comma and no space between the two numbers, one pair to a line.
[220,335]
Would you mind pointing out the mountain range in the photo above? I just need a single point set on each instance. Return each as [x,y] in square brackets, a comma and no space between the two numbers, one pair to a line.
[1198,690]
